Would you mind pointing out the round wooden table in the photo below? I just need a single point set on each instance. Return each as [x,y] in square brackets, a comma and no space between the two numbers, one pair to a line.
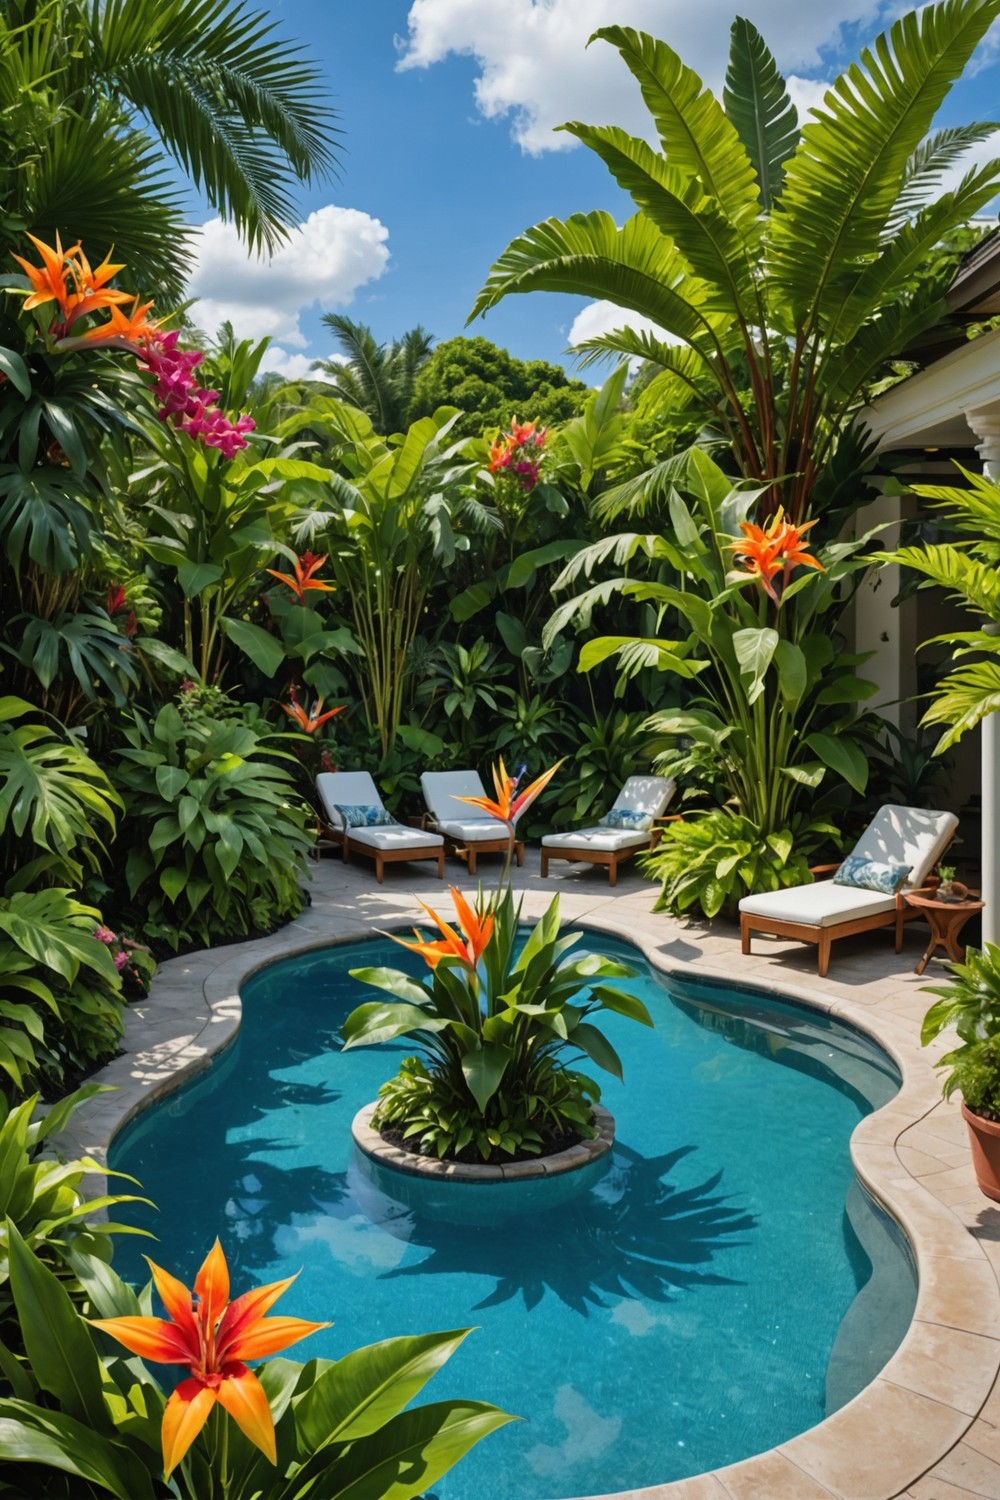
[946,918]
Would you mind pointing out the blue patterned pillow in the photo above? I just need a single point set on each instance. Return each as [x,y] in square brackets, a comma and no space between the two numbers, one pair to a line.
[364,815]
[629,818]
[869,875]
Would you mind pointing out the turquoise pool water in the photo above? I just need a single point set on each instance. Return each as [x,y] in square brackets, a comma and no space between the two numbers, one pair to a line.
[715,1286]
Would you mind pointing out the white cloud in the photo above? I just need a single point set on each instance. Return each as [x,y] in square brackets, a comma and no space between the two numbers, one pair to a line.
[605,317]
[278,361]
[325,261]
[535,66]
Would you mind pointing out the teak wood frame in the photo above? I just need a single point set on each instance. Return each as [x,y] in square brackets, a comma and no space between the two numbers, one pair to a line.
[580,854]
[470,849]
[383,857]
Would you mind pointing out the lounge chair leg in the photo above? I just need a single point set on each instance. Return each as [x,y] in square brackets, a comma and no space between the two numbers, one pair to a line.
[471,859]
[613,871]
[745,933]
[899,931]
[545,864]
[824,954]
[440,860]
[379,869]
[520,854]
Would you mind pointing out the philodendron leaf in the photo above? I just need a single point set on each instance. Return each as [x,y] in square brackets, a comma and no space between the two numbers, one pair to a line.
[754,649]
[263,650]
[793,672]
[843,756]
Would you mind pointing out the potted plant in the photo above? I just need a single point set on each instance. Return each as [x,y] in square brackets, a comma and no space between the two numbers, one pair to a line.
[971,1002]
[947,888]
[498,1024]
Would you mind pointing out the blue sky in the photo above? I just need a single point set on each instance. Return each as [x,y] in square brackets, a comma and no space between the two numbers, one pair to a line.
[447,108]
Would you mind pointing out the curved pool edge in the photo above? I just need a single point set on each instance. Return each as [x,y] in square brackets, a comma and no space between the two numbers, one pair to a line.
[920,1408]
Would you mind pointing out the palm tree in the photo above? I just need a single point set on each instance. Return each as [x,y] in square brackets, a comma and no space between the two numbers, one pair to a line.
[776,258]
[101,103]
[378,378]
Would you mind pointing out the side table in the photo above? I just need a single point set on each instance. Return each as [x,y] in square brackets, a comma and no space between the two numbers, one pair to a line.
[946,919]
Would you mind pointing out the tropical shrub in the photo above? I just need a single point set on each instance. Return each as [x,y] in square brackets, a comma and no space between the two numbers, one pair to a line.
[713,859]
[220,833]
[607,750]
[498,1027]
[60,993]
[970,1002]
[324,1430]
[41,1197]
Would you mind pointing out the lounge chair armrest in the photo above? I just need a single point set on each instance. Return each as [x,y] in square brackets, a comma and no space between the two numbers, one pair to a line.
[825,869]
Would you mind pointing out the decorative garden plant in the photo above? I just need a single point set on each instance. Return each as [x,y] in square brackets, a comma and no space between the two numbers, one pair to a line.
[498,1025]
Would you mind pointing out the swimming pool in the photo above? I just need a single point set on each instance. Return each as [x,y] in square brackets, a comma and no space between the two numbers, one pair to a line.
[705,1296]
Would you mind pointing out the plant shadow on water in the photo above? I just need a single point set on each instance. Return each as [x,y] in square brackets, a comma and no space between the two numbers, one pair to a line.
[632,1235]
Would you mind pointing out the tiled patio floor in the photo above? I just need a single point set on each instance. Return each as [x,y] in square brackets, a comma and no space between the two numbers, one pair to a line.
[928,1428]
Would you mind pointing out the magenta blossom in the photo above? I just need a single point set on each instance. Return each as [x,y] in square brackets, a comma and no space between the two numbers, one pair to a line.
[120,960]
[105,935]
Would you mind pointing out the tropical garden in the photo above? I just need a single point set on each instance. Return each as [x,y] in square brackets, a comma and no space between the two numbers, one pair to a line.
[215,584]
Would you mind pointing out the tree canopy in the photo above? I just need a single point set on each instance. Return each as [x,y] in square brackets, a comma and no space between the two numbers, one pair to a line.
[490,387]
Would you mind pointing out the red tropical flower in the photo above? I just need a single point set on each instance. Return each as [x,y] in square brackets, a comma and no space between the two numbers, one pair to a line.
[213,1337]
[303,580]
[310,722]
[115,599]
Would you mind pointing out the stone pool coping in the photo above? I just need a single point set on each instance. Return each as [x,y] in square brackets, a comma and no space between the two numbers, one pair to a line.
[928,1426]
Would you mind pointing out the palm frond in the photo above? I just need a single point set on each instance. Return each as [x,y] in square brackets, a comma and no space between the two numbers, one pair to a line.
[963,699]
[928,164]
[756,101]
[842,182]
[968,580]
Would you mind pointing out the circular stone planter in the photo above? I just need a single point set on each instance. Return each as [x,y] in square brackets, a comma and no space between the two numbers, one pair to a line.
[371,1144]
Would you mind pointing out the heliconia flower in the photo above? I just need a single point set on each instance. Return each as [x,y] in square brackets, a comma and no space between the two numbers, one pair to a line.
[476,931]
[65,277]
[521,432]
[310,722]
[213,1337]
[119,332]
[500,455]
[508,808]
[303,580]
[115,599]
[767,550]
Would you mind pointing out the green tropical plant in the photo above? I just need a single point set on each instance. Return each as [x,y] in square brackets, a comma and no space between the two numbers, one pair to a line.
[388,530]
[491,386]
[125,93]
[711,860]
[379,379]
[60,993]
[781,261]
[770,698]
[497,1024]
[41,1195]
[970,1002]
[223,834]
[608,749]
[967,569]
[339,1428]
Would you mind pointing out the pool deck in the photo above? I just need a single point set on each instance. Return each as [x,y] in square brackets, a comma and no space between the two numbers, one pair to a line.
[928,1427]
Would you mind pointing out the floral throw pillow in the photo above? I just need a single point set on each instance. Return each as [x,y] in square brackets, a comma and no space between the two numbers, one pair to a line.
[364,815]
[868,875]
[629,818]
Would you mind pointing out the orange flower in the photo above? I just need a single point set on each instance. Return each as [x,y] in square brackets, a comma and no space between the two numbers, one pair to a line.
[773,549]
[500,454]
[310,722]
[305,566]
[476,931]
[119,332]
[522,431]
[213,1337]
[65,277]
[508,808]
[48,281]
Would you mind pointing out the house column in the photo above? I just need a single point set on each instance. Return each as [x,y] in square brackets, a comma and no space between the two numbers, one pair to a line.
[985,423]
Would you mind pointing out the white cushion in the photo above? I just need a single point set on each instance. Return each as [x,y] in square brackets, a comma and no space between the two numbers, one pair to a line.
[820,905]
[646,794]
[608,839]
[473,830]
[394,836]
[907,836]
[349,789]
[442,790]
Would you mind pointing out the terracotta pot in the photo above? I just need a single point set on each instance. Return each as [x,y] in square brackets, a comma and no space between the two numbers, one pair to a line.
[984,1138]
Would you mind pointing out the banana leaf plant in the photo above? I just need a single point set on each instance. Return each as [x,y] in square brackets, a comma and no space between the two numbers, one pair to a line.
[327,1430]
[775,261]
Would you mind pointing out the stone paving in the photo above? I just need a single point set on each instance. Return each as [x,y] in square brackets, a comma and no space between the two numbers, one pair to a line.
[928,1427]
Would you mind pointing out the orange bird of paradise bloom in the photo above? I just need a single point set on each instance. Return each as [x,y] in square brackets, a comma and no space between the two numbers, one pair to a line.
[213,1337]
[310,722]
[507,807]
[303,580]
[767,550]
[476,932]
[65,277]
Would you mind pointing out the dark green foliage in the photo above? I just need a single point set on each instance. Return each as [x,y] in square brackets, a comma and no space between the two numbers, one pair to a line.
[491,387]
[970,1002]
[713,860]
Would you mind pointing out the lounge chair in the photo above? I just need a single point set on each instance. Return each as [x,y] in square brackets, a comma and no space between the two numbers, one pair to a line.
[819,913]
[467,832]
[357,820]
[628,828]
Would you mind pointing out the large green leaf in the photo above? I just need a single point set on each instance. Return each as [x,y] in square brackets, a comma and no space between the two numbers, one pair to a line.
[483,1071]
[757,103]
[31,1435]
[362,1391]
[755,648]
[842,755]
[263,649]
[379,1022]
